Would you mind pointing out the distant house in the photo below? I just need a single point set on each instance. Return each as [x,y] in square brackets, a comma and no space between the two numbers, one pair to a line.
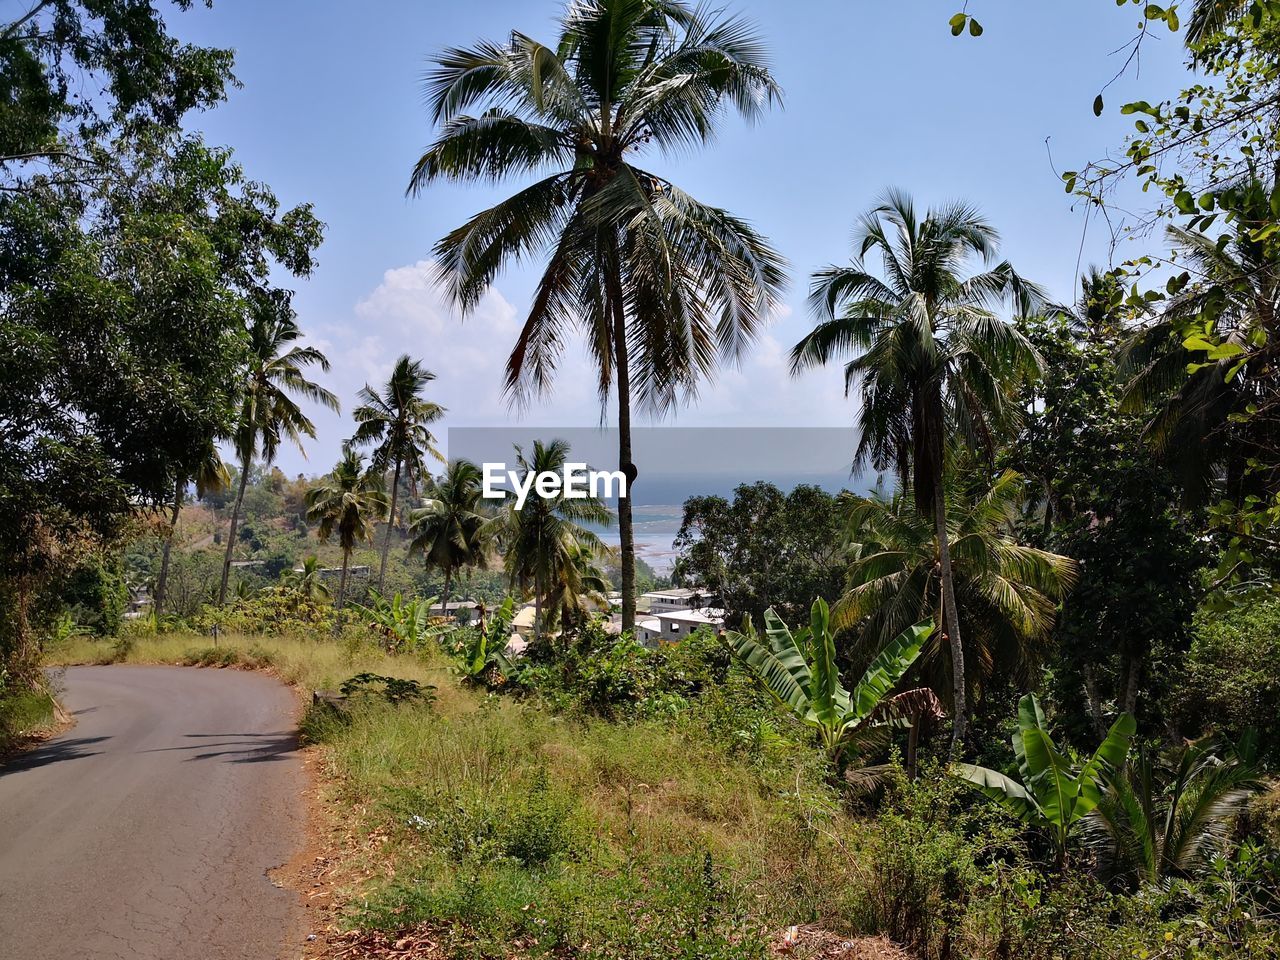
[672,626]
[459,609]
[675,598]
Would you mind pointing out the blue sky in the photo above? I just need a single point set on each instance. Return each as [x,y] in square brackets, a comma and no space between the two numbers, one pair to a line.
[878,93]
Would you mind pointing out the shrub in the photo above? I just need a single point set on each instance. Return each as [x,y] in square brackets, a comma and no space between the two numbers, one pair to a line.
[616,678]
[1232,676]
[393,690]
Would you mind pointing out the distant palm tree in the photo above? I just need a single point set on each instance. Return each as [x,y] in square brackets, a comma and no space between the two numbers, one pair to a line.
[660,285]
[932,358]
[350,501]
[449,530]
[1007,592]
[268,414]
[537,540]
[307,579]
[210,476]
[580,585]
[394,422]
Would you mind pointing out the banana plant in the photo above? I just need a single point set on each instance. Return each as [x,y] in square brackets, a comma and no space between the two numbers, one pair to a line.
[1053,796]
[483,654]
[404,624]
[799,671]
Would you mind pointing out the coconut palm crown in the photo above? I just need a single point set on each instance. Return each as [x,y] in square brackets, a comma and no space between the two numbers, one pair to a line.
[395,423]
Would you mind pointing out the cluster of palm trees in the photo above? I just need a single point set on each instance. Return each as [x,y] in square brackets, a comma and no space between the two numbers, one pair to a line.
[662,287]
[272,381]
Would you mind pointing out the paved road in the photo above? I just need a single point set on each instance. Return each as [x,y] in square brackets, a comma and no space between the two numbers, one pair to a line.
[146,831]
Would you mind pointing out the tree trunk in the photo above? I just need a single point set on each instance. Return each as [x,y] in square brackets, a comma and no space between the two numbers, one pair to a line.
[1095,700]
[162,581]
[626,535]
[951,625]
[444,597]
[391,522]
[1134,674]
[537,607]
[231,537]
[342,591]
[913,743]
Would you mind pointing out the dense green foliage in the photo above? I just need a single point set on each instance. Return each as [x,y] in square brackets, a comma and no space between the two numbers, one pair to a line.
[762,548]
[1087,508]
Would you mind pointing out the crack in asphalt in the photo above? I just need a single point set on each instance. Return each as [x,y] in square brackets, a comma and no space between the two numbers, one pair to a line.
[148,831]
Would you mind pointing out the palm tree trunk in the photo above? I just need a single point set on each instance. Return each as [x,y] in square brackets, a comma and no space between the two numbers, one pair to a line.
[913,743]
[444,598]
[537,607]
[231,537]
[162,581]
[391,522]
[626,534]
[951,624]
[1133,676]
[342,591]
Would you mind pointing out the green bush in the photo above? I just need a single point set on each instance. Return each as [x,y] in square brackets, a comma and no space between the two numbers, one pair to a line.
[1232,675]
[617,678]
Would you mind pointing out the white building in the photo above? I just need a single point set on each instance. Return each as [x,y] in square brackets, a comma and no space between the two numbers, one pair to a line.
[672,626]
[668,601]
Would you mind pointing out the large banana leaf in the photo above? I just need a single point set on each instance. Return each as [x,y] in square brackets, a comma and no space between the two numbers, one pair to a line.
[779,673]
[1029,715]
[886,670]
[1004,790]
[829,699]
[1109,757]
[1051,782]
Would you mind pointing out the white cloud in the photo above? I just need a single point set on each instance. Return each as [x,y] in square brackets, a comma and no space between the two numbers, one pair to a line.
[408,313]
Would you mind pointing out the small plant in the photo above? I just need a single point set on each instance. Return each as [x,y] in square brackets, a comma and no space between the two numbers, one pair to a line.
[1052,795]
[1160,820]
[394,690]
[799,670]
[402,624]
[483,654]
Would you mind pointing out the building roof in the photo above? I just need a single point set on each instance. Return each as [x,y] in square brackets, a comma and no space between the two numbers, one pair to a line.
[675,593]
[457,605]
[710,615]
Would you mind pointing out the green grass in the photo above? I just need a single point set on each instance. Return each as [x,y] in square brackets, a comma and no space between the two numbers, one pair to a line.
[310,662]
[23,714]
[508,829]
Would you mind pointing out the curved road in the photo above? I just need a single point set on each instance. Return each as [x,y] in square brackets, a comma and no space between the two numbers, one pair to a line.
[145,832]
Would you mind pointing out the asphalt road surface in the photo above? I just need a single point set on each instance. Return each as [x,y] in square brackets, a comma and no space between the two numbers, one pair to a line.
[146,831]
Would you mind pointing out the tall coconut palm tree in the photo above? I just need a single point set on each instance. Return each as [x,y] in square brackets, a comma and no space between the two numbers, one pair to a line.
[932,358]
[209,476]
[538,539]
[1007,592]
[268,412]
[449,531]
[660,286]
[350,501]
[395,424]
